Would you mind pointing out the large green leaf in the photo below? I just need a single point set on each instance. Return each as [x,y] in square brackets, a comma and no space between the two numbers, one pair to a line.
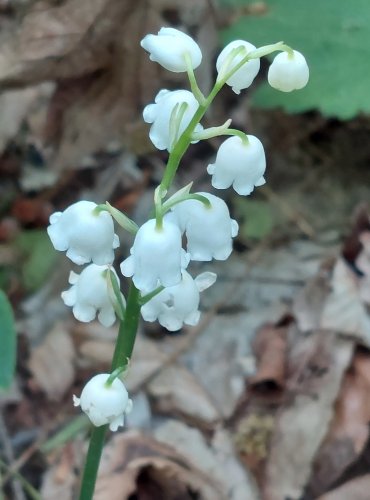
[333,35]
[7,342]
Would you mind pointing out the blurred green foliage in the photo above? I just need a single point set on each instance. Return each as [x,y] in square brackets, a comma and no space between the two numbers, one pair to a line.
[38,259]
[8,342]
[333,35]
[256,218]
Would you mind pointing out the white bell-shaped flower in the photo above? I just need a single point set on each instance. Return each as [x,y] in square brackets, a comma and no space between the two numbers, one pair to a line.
[169,47]
[86,235]
[288,71]
[89,295]
[159,114]
[178,305]
[156,256]
[209,230]
[239,164]
[104,404]
[244,76]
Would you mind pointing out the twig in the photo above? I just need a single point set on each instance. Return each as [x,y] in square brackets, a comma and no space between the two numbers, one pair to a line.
[289,211]
[9,456]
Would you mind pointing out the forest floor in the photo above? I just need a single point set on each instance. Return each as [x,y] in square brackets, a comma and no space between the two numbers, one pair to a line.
[268,397]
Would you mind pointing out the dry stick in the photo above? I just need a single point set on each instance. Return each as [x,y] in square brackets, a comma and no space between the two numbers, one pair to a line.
[9,455]
[289,211]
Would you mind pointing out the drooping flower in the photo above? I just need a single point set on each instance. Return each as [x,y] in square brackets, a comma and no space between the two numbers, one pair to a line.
[244,76]
[288,71]
[85,234]
[163,133]
[169,47]
[209,230]
[156,256]
[89,295]
[178,305]
[104,404]
[240,164]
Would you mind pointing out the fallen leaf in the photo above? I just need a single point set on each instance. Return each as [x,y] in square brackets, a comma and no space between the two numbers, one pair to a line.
[60,481]
[14,107]
[344,310]
[332,301]
[349,430]
[357,489]
[218,358]
[176,391]
[57,42]
[91,49]
[136,465]
[52,363]
[316,365]
[217,459]
[270,346]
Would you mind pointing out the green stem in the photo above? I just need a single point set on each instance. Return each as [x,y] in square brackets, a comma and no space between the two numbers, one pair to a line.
[127,330]
[238,133]
[122,353]
[193,81]
[92,462]
[185,139]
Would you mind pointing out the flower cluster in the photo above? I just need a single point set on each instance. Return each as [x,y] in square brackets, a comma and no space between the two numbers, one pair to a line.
[159,259]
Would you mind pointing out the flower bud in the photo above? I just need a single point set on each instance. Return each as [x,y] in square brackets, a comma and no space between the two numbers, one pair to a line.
[89,295]
[159,114]
[288,71]
[104,404]
[239,164]
[169,47]
[209,230]
[244,76]
[178,304]
[156,256]
[85,234]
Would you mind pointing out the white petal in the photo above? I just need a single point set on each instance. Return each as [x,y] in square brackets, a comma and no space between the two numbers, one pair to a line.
[107,316]
[205,280]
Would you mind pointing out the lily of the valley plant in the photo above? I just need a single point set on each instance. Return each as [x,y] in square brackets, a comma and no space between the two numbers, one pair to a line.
[161,286]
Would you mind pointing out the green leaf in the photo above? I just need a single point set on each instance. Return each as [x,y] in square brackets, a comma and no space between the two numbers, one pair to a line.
[8,339]
[256,217]
[334,37]
[39,257]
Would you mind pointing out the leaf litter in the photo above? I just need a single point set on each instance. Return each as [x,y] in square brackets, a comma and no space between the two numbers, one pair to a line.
[282,408]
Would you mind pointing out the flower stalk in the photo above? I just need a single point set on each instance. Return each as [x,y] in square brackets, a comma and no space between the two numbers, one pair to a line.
[161,288]
[122,354]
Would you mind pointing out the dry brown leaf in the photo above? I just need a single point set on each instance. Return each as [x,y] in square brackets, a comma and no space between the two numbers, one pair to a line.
[349,430]
[332,301]
[92,49]
[14,106]
[344,310]
[309,302]
[317,364]
[62,41]
[216,459]
[52,363]
[59,481]
[270,346]
[176,391]
[134,464]
[97,351]
[218,358]
[357,489]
